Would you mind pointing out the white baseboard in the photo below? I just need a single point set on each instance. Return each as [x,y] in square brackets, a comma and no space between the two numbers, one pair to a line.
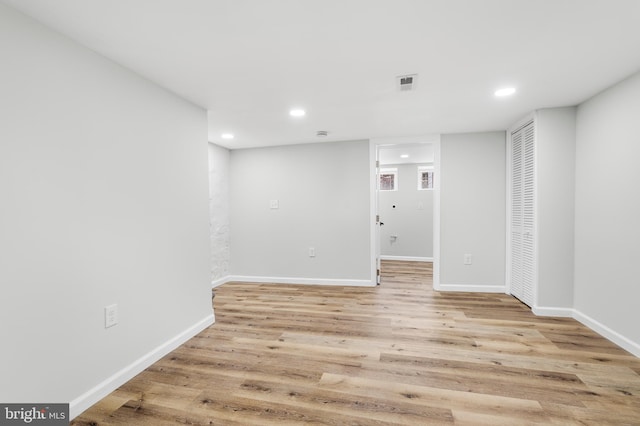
[220,281]
[470,288]
[309,281]
[605,331]
[553,312]
[594,325]
[86,400]
[407,258]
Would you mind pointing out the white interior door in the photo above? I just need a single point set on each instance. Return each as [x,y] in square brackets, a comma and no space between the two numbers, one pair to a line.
[377,213]
[522,268]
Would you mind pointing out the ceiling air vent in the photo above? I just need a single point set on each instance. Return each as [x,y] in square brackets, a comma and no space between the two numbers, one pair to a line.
[407,83]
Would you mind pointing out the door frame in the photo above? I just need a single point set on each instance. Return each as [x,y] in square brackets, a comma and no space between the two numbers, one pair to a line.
[374,145]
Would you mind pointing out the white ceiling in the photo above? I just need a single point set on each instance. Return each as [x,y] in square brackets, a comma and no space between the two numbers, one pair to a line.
[249,61]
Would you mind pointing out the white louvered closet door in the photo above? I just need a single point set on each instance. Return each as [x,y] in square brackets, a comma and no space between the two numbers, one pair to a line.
[523,213]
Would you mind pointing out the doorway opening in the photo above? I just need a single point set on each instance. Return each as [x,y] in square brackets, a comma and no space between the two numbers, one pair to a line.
[406,203]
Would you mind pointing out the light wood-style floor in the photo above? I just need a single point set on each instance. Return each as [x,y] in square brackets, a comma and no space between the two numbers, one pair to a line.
[396,354]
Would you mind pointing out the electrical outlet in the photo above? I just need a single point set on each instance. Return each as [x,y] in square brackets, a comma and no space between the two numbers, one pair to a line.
[274,204]
[467,259]
[312,252]
[110,315]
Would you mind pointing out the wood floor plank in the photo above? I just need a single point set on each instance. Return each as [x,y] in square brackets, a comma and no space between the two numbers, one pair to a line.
[396,354]
[368,409]
[429,396]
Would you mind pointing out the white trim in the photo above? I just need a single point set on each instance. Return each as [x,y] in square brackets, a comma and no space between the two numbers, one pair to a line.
[304,281]
[407,258]
[545,311]
[471,288]
[374,228]
[536,214]
[436,214]
[508,205]
[87,399]
[404,140]
[608,333]
[220,281]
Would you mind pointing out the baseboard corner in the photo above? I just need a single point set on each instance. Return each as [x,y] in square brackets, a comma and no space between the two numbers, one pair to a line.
[218,282]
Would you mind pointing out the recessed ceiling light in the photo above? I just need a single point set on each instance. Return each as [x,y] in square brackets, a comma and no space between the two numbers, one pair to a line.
[507,91]
[227,136]
[404,156]
[297,112]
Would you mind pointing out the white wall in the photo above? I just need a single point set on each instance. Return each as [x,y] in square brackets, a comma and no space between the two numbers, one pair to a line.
[103,177]
[555,189]
[219,212]
[472,211]
[411,220]
[607,209]
[323,194]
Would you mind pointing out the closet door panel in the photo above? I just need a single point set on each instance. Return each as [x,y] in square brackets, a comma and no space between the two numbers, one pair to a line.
[516,215]
[523,213]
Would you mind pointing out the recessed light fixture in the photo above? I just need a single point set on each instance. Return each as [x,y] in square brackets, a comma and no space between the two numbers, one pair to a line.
[506,91]
[227,136]
[404,156]
[297,112]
